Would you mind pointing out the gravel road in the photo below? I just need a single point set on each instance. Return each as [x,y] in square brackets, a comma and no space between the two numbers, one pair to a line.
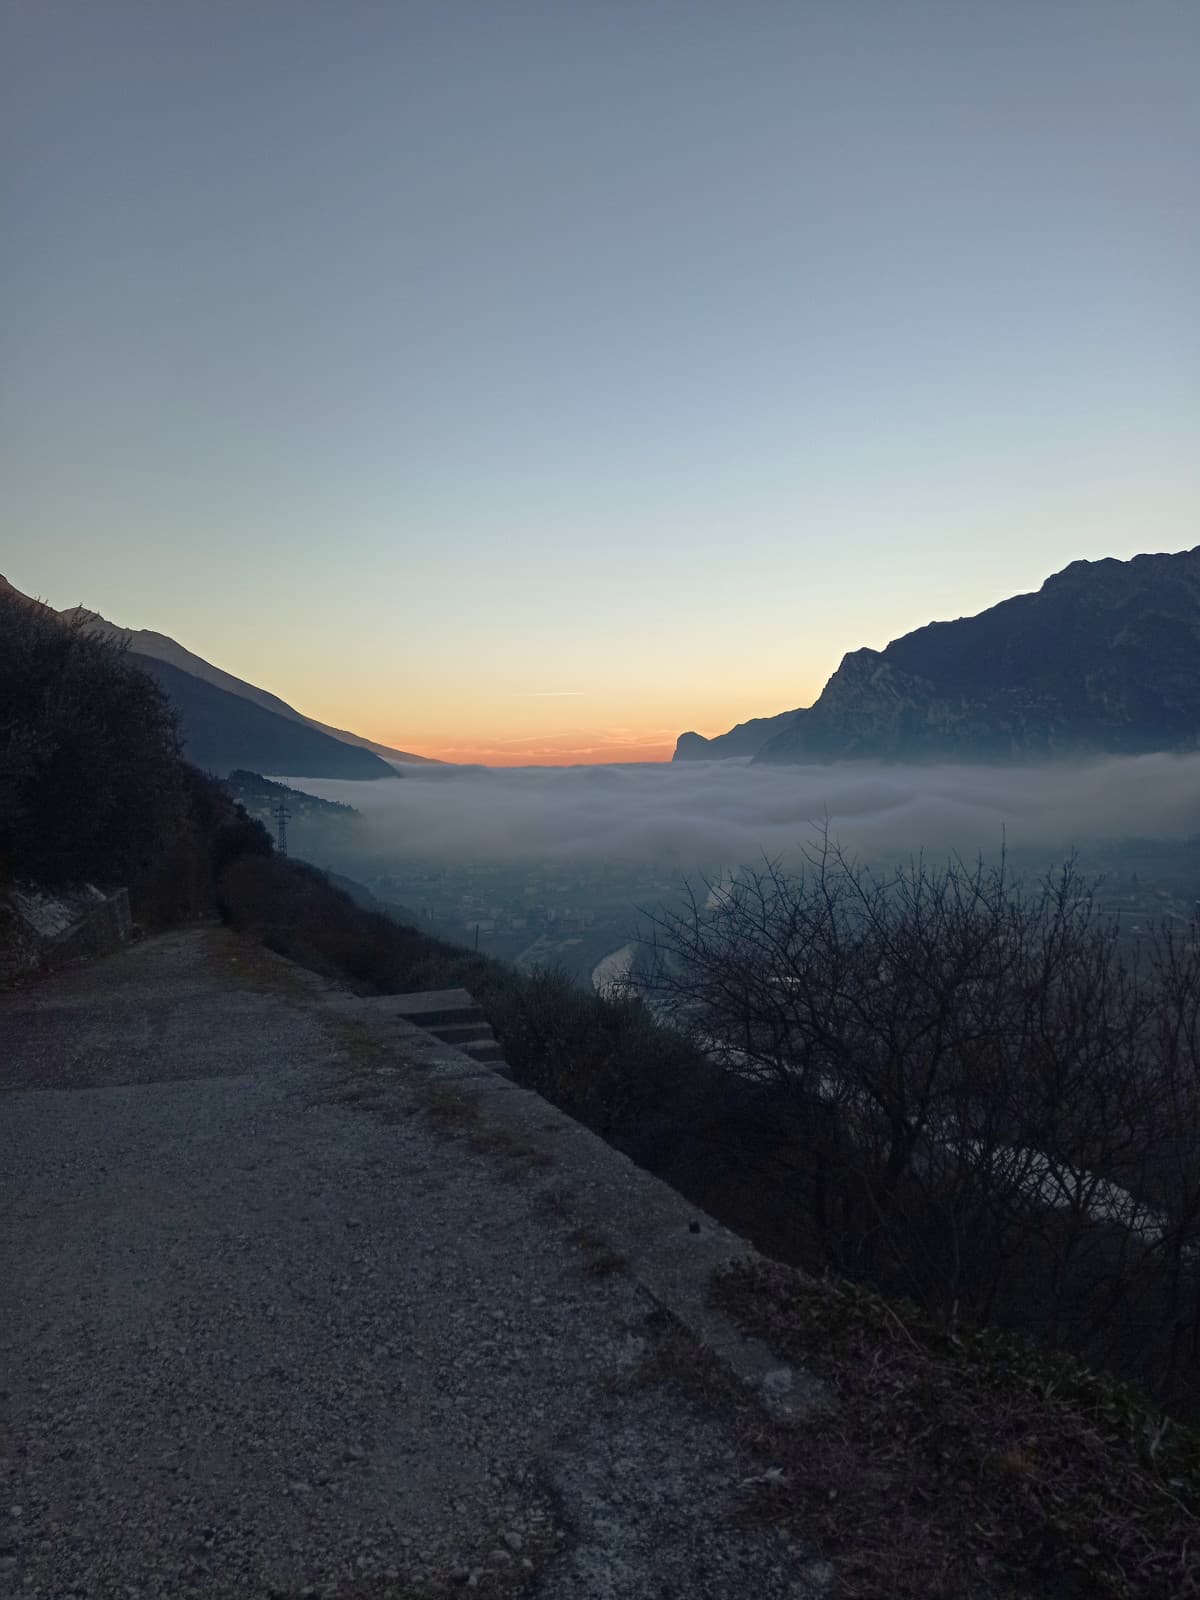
[258,1339]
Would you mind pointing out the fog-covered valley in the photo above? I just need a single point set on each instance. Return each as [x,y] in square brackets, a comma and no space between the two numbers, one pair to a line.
[551,865]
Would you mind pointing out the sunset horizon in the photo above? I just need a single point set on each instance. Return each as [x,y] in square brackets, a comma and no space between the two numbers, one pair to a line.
[526,385]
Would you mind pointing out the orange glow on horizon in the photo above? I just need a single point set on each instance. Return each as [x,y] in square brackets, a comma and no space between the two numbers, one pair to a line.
[553,736]
[546,746]
[541,750]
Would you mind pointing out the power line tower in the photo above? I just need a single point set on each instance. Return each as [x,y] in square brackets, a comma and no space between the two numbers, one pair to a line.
[281,821]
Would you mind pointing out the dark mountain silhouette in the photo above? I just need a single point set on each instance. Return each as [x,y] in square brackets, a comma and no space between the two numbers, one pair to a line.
[143,642]
[747,739]
[237,724]
[1104,657]
[224,731]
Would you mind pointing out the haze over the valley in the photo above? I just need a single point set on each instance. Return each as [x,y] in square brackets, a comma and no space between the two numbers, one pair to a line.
[730,812]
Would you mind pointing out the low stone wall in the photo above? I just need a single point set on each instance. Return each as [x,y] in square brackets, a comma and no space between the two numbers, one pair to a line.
[44,930]
[104,926]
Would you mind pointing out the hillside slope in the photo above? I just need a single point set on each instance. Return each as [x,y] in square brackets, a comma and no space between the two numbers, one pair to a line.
[223,731]
[160,647]
[8,592]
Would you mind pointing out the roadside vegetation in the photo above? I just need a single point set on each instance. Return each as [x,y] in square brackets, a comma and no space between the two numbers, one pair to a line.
[92,786]
[987,1098]
[963,1466]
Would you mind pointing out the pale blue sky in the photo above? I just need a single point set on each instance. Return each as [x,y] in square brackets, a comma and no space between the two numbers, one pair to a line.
[416,359]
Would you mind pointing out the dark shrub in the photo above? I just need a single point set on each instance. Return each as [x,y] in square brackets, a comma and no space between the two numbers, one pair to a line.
[91,784]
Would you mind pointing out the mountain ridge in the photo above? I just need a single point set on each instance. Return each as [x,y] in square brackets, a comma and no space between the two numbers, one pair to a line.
[161,647]
[223,731]
[224,722]
[1103,657]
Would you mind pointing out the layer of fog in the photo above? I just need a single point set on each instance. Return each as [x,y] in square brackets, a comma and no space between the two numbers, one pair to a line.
[695,813]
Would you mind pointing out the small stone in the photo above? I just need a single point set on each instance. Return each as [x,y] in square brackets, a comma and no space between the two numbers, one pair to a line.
[513,1540]
[499,1558]
[526,1564]
[474,1577]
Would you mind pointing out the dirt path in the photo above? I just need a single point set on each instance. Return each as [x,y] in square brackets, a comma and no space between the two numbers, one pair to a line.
[257,1338]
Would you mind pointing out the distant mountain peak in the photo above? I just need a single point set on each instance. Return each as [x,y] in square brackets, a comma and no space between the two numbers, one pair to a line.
[227,722]
[1103,657]
[160,647]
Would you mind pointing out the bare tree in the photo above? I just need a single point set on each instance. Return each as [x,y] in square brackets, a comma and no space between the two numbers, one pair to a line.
[992,1093]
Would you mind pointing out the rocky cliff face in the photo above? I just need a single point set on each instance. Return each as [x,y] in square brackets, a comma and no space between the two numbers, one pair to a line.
[1104,657]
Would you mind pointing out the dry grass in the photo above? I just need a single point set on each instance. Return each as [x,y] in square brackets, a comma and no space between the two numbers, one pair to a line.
[455,1112]
[969,1468]
[600,1259]
[588,1239]
[451,1111]
[556,1200]
[679,1361]
[520,1157]
[243,963]
[606,1264]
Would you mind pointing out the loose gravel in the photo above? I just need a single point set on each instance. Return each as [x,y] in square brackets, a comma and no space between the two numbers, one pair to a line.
[259,1339]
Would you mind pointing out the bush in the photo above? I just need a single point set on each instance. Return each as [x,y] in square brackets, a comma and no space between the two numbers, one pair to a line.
[92,786]
[91,783]
[212,833]
[991,1099]
[605,1060]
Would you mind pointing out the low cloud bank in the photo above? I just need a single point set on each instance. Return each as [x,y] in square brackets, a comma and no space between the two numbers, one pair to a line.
[699,813]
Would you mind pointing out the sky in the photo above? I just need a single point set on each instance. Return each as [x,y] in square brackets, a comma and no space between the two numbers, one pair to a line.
[527,383]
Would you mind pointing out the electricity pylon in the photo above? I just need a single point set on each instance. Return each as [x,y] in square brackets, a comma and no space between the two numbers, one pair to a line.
[281,821]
